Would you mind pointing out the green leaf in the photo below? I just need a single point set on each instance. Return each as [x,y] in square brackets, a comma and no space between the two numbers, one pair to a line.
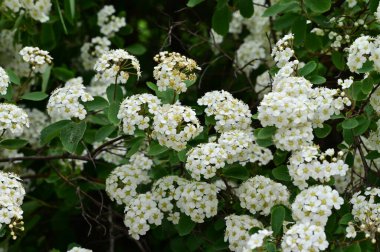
[266,132]
[221,17]
[317,79]
[277,219]
[308,68]
[72,8]
[367,85]
[71,135]
[279,7]
[281,173]
[113,110]
[367,67]
[364,123]
[156,149]
[235,171]
[338,60]
[280,157]
[134,146]
[372,155]
[13,144]
[373,4]
[193,3]
[246,8]
[136,49]
[63,73]
[348,136]
[45,78]
[34,96]
[98,103]
[270,247]
[104,132]
[61,17]
[185,225]
[318,6]
[350,123]
[353,248]
[114,95]
[346,219]
[299,30]
[13,77]
[52,131]
[182,155]
[323,132]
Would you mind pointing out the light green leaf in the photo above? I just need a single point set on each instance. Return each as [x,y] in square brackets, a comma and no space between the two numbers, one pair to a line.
[13,77]
[34,96]
[193,3]
[308,68]
[318,6]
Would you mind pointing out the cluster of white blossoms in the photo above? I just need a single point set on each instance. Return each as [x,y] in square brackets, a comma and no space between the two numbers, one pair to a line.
[4,81]
[37,58]
[174,125]
[304,237]
[240,147]
[204,160]
[64,103]
[283,50]
[113,154]
[37,120]
[237,231]
[90,51]
[229,112]
[79,249]
[249,56]
[259,194]
[256,240]
[164,192]
[198,200]
[109,23]
[315,205]
[13,119]
[140,212]
[309,162]
[116,66]
[173,70]
[136,110]
[346,83]
[12,195]
[366,212]
[363,49]
[36,9]
[122,183]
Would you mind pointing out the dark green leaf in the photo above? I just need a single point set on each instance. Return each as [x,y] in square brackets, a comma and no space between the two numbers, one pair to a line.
[114,95]
[62,73]
[98,103]
[299,30]
[246,8]
[266,132]
[13,144]
[136,49]
[318,6]
[155,149]
[346,219]
[373,4]
[348,136]
[308,68]
[185,225]
[277,219]
[221,17]
[113,110]
[281,173]
[34,96]
[372,155]
[71,134]
[52,131]
[279,7]
[45,78]
[353,248]
[350,123]
[317,79]
[367,67]
[13,77]
[323,132]
[104,132]
[236,172]
[367,85]
[338,60]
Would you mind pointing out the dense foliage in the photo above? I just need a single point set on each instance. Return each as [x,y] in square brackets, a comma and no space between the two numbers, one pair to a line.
[227,125]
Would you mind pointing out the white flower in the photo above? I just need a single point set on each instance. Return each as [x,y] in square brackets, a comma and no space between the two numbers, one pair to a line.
[257,240]
[4,81]
[346,83]
[249,56]
[79,249]
[109,24]
[37,58]
[90,51]
[12,119]
[350,231]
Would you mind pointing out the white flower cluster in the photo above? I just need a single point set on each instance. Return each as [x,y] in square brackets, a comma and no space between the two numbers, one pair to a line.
[256,240]
[259,194]
[116,66]
[240,147]
[140,212]
[283,51]
[197,200]
[346,83]
[204,160]
[173,70]
[309,162]
[37,58]
[64,103]
[90,51]
[363,49]
[38,121]
[136,110]
[79,249]
[304,237]
[109,23]
[4,81]
[237,231]
[13,119]
[36,9]
[175,125]
[366,212]
[229,112]
[249,56]
[314,205]
[164,191]
[122,183]
[12,195]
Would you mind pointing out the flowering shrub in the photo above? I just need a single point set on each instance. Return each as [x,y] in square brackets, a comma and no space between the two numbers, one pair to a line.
[247,125]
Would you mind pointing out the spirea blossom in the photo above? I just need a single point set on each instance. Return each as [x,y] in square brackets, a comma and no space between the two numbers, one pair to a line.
[304,237]
[237,231]
[197,200]
[12,119]
[136,112]
[140,212]
[204,160]
[109,23]
[64,103]
[259,194]
[37,58]
[36,9]
[175,125]
[249,56]
[116,66]
[283,52]
[257,240]
[91,51]
[229,113]
[79,249]
[4,81]
[315,204]
[173,70]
